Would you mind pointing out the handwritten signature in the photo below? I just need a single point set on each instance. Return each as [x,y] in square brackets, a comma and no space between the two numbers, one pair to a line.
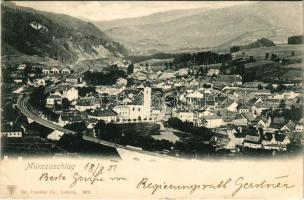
[238,185]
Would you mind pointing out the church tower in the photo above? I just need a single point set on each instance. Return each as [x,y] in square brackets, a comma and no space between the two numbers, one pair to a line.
[147,102]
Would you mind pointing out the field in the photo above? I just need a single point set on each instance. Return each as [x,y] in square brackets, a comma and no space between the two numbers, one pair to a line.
[283,51]
[156,61]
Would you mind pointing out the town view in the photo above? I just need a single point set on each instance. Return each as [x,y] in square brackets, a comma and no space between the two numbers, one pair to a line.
[192,83]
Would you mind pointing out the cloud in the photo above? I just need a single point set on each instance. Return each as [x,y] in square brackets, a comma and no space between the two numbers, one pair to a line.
[109,10]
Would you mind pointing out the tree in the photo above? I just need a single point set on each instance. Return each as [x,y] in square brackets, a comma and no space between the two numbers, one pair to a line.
[99,129]
[266,55]
[130,69]
[282,104]
[175,122]
[234,49]
[65,103]
[78,127]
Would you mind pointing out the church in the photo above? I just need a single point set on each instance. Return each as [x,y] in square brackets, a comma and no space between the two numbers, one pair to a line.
[136,112]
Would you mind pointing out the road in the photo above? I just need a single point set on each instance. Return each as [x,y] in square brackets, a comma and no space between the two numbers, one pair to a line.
[22,104]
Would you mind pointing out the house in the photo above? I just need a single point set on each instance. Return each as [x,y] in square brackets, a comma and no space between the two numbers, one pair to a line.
[121,81]
[254,101]
[193,97]
[53,99]
[73,79]
[275,141]
[261,106]
[140,76]
[182,72]
[289,127]
[18,79]
[17,134]
[69,118]
[253,142]
[299,128]
[68,91]
[167,75]
[275,138]
[203,113]
[105,115]
[46,70]
[194,83]
[54,70]
[39,82]
[184,115]
[232,106]
[240,120]
[212,121]
[229,80]
[55,135]
[236,139]
[213,72]
[243,108]
[66,70]
[87,104]
[21,67]
[249,116]
[254,84]
[114,90]
[277,123]
[264,122]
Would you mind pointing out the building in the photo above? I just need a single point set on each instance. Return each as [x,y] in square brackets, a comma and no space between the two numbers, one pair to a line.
[46,70]
[88,104]
[275,141]
[54,70]
[264,122]
[299,128]
[12,134]
[114,90]
[243,108]
[53,99]
[240,120]
[69,92]
[136,112]
[232,106]
[229,80]
[194,97]
[69,118]
[66,70]
[275,138]
[184,115]
[21,67]
[212,121]
[289,127]
[253,142]
[39,82]
[213,72]
[64,91]
[105,115]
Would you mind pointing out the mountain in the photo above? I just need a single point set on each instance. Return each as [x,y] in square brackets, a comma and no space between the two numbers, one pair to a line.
[26,31]
[149,19]
[223,27]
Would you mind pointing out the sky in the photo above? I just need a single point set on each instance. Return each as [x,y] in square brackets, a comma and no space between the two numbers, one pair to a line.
[110,10]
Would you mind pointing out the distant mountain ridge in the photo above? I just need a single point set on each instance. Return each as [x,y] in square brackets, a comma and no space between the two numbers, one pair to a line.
[149,19]
[224,27]
[57,36]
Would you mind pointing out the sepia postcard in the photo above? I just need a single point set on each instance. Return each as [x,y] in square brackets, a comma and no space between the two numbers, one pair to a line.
[152,100]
